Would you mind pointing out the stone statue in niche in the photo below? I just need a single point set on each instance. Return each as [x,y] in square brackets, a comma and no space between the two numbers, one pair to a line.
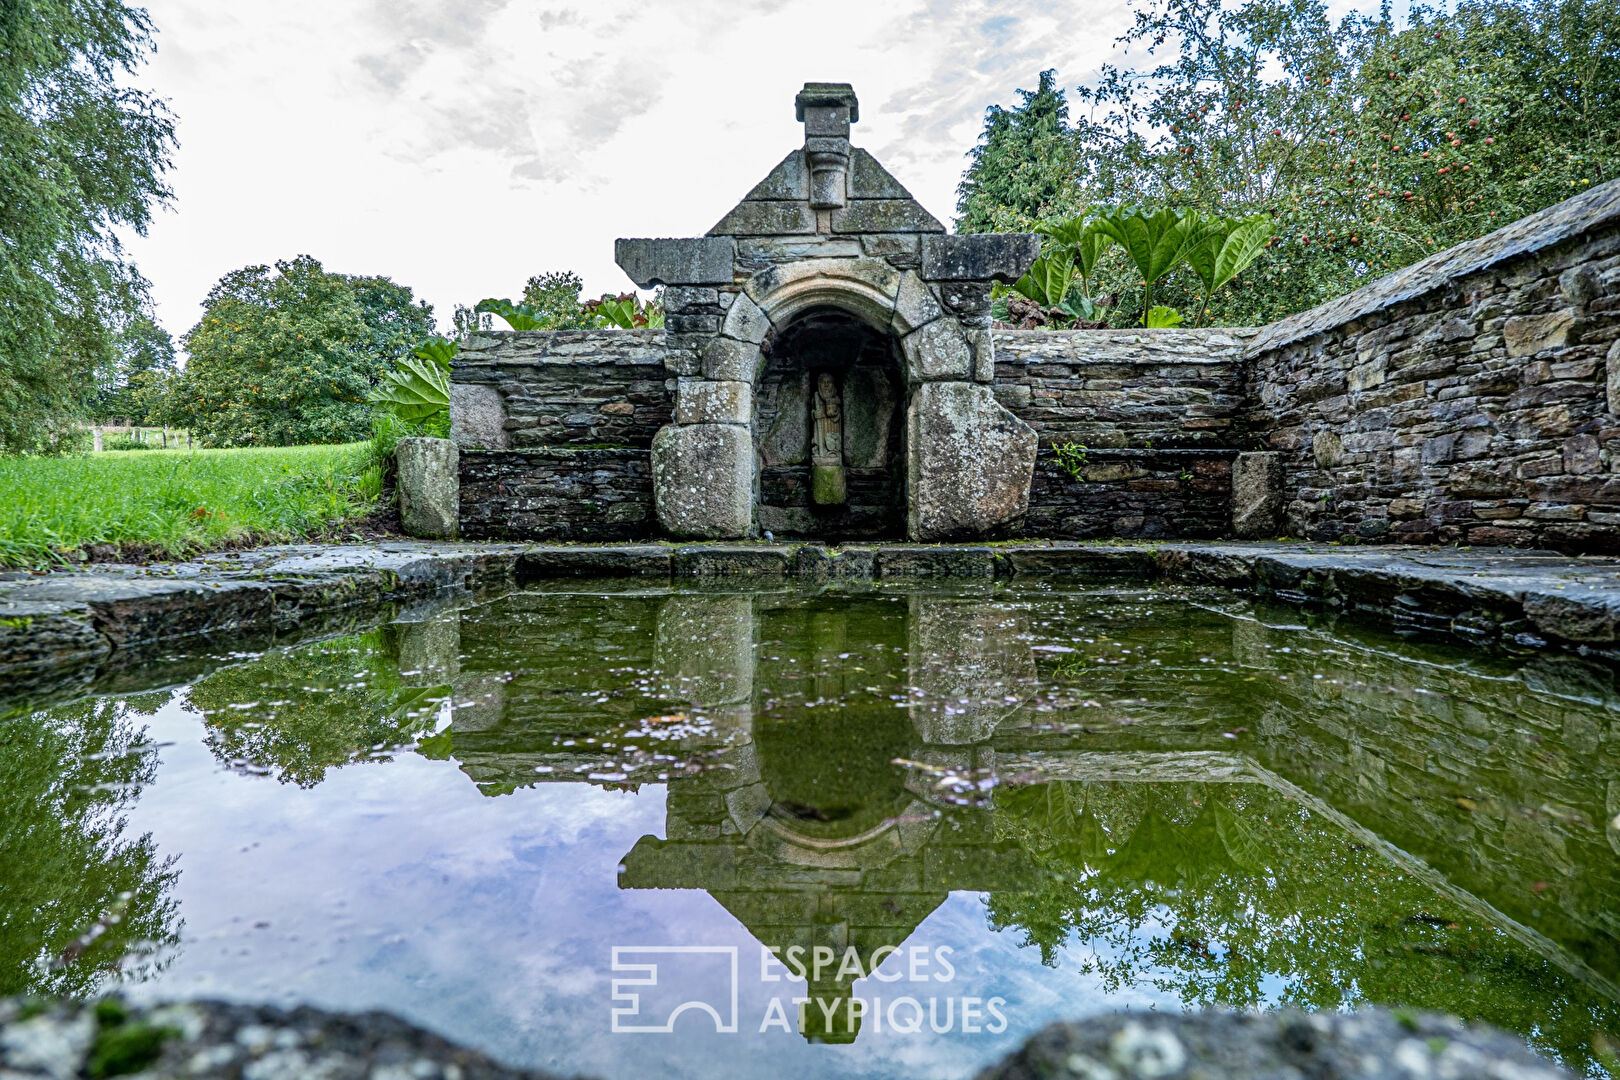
[826,443]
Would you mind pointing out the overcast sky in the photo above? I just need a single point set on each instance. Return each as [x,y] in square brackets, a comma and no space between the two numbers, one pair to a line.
[458,146]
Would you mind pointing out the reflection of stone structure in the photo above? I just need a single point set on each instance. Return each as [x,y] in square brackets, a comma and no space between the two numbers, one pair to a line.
[795,818]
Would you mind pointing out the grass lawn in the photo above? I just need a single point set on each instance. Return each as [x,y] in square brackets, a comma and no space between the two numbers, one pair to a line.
[176,502]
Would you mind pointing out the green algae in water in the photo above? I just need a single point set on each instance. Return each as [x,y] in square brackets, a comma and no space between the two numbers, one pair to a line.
[1070,799]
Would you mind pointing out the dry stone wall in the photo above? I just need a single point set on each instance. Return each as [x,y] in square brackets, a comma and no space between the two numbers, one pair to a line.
[1468,398]
[554,428]
[557,493]
[1151,419]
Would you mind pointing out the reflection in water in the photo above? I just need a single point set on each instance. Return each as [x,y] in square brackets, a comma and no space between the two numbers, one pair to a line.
[1147,792]
[297,714]
[81,902]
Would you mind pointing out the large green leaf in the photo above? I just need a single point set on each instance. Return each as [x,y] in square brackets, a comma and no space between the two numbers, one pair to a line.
[1049,277]
[415,390]
[1243,245]
[1155,242]
[1160,317]
[517,316]
[1203,256]
[1227,248]
[438,350]
[1082,237]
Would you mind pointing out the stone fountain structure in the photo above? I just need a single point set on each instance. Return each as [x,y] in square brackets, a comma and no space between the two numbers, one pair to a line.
[831,344]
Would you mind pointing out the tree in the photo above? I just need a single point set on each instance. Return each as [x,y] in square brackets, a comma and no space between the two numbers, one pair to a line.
[1023,168]
[82,154]
[291,357]
[554,296]
[1369,143]
[145,357]
[395,320]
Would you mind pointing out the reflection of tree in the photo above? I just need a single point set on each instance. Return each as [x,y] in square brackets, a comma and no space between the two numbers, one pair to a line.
[300,712]
[1231,894]
[80,902]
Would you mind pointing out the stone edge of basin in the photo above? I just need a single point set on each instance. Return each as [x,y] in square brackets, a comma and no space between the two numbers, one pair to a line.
[1510,597]
[207,1039]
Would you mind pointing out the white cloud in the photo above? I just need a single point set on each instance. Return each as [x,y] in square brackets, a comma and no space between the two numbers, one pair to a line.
[459,146]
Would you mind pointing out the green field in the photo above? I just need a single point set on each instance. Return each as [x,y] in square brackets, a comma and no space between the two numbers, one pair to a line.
[177,502]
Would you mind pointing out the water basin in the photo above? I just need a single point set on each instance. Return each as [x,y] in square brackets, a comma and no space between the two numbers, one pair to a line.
[605,828]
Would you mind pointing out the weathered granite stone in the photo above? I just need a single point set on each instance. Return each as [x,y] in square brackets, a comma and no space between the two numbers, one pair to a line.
[477,416]
[983,345]
[969,462]
[621,560]
[870,180]
[1257,495]
[728,358]
[703,480]
[692,298]
[766,219]
[914,305]
[709,662]
[1085,563]
[937,351]
[705,260]
[884,216]
[999,257]
[789,181]
[429,487]
[1369,1044]
[704,401]
[732,560]
[874,275]
[746,322]
[1611,376]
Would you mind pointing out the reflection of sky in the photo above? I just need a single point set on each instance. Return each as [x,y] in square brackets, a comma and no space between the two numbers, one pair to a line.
[491,920]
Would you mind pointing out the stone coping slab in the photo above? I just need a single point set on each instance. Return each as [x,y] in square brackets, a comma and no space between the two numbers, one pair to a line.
[112,615]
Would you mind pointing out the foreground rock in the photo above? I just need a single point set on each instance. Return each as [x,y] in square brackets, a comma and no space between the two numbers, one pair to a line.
[215,1041]
[1369,1045]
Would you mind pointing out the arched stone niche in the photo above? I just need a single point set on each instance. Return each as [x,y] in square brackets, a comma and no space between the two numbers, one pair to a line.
[827,265]
[861,364]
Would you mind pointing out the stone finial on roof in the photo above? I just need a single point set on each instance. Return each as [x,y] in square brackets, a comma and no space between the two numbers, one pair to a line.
[820,101]
[827,110]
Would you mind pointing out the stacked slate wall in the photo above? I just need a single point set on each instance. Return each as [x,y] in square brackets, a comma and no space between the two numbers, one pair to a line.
[555,429]
[1155,412]
[1468,398]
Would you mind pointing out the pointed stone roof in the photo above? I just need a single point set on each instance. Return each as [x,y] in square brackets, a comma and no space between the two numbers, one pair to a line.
[874,202]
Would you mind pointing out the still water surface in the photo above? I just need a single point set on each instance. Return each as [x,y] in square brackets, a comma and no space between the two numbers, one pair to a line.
[959,814]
